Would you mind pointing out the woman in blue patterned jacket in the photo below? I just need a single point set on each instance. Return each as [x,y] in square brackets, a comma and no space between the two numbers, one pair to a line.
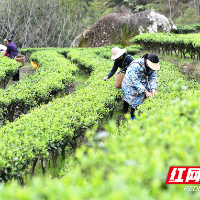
[140,81]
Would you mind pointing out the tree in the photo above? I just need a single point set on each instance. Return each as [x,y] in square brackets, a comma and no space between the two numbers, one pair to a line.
[170,10]
[97,9]
[196,7]
[41,23]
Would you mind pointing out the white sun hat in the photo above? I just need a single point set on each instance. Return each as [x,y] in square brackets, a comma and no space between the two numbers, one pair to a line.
[117,52]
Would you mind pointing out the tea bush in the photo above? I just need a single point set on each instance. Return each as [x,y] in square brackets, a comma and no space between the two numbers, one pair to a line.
[54,74]
[125,162]
[131,161]
[52,127]
[170,43]
[8,68]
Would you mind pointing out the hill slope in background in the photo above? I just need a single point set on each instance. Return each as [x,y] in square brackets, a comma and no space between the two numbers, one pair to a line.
[172,9]
[56,23]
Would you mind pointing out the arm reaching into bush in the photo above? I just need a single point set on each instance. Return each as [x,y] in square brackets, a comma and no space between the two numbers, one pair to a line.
[5,54]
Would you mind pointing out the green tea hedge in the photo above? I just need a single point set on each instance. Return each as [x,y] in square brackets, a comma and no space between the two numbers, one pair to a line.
[52,127]
[54,74]
[179,44]
[8,68]
[131,161]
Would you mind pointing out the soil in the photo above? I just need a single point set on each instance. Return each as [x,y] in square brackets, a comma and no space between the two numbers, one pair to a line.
[26,70]
[23,72]
[71,89]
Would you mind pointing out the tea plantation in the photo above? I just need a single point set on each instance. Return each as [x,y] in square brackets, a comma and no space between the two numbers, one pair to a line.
[124,160]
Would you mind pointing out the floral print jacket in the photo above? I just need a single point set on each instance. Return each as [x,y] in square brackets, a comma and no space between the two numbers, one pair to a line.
[137,81]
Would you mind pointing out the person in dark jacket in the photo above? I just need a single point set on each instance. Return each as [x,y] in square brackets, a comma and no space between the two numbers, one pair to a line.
[122,60]
[12,52]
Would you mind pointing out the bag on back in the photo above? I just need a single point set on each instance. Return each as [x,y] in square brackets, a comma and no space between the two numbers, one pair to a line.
[120,75]
[119,78]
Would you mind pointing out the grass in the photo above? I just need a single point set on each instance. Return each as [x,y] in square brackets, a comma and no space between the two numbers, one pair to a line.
[80,78]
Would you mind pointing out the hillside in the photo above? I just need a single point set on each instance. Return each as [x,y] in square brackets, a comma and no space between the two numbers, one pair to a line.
[56,23]
[63,133]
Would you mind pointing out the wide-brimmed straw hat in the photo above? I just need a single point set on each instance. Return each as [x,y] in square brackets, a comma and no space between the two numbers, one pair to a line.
[152,61]
[117,52]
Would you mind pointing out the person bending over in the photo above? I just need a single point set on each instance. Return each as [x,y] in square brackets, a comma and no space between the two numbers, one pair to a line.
[140,81]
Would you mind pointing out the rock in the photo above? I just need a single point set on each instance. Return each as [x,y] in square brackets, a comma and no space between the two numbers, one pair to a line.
[119,28]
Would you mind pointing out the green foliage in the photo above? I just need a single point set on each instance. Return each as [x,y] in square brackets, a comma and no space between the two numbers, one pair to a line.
[54,74]
[8,67]
[97,9]
[130,161]
[169,43]
[106,52]
[133,49]
[28,51]
[52,127]
[188,17]
[185,29]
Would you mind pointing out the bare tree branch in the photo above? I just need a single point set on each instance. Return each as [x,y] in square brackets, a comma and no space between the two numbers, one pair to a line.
[41,23]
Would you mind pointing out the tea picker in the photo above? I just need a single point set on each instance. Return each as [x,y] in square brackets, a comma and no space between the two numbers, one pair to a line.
[122,60]
[140,81]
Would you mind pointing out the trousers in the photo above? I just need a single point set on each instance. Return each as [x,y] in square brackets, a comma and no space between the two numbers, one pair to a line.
[16,76]
[125,109]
